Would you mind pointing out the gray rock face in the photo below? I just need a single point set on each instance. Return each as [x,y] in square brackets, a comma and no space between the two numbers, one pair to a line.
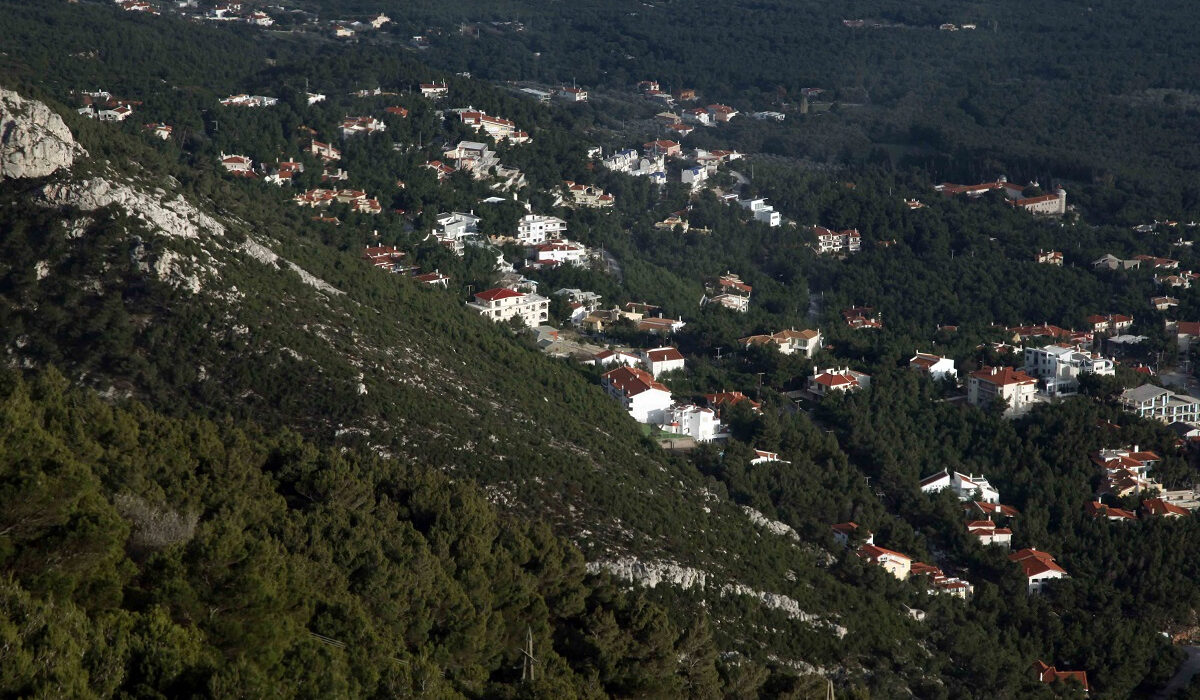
[34,141]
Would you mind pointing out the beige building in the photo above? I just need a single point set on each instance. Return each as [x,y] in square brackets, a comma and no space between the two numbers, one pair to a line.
[1013,386]
[502,304]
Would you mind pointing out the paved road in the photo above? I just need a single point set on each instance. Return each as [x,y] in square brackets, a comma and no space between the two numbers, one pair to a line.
[1184,675]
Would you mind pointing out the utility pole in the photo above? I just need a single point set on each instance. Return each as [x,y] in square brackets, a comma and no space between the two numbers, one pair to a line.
[528,672]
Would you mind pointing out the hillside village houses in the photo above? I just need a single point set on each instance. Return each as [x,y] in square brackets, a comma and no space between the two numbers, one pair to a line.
[1049,257]
[324,151]
[571,94]
[1048,674]
[730,292]
[1038,567]
[102,106]
[698,423]
[661,326]
[824,382]
[352,126]
[284,172]
[903,567]
[387,258]
[1060,366]
[988,534]
[474,157]
[848,241]
[862,317]
[434,90]
[967,488]
[788,342]
[1109,323]
[1162,508]
[249,101]
[1047,204]
[694,176]
[1108,261]
[1099,510]
[1149,401]
[237,165]
[587,195]
[558,252]
[1163,303]
[498,128]
[765,457]
[1014,387]
[659,361]
[501,304]
[936,366]
[643,397]
[535,229]
[452,229]
[162,131]
[1185,333]
[608,358]
[761,211]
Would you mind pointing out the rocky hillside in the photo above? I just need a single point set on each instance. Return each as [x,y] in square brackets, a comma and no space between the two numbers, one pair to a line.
[137,287]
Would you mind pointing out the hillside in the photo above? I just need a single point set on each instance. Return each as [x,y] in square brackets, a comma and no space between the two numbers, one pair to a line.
[358,455]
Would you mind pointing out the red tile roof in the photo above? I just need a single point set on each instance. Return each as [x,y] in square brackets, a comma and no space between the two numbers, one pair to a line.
[1157,506]
[632,381]
[664,355]
[1002,376]
[498,293]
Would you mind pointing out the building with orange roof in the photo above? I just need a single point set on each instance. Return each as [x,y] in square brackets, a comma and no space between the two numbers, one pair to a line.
[1012,386]
[1038,567]
[824,382]
[641,395]
[1048,674]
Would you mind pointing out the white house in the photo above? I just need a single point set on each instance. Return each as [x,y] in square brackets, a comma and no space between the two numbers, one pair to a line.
[535,229]
[500,304]
[844,532]
[571,94]
[988,533]
[1059,366]
[694,176]
[238,165]
[559,252]
[1039,568]
[609,358]
[762,211]
[623,161]
[763,457]
[1014,387]
[1149,401]
[895,563]
[698,423]
[434,90]
[659,361]
[848,241]
[645,399]
[352,126]
[824,382]
[964,486]
[788,342]
[936,366]
[457,225]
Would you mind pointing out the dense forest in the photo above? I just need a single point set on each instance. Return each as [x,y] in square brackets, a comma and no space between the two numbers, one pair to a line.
[229,479]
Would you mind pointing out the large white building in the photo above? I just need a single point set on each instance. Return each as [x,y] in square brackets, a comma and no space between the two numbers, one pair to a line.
[1149,401]
[645,399]
[1013,386]
[848,241]
[1059,367]
[806,342]
[698,423]
[936,366]
[535,229]
[501,304]
[964,486]
[659,361]
[762,211]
